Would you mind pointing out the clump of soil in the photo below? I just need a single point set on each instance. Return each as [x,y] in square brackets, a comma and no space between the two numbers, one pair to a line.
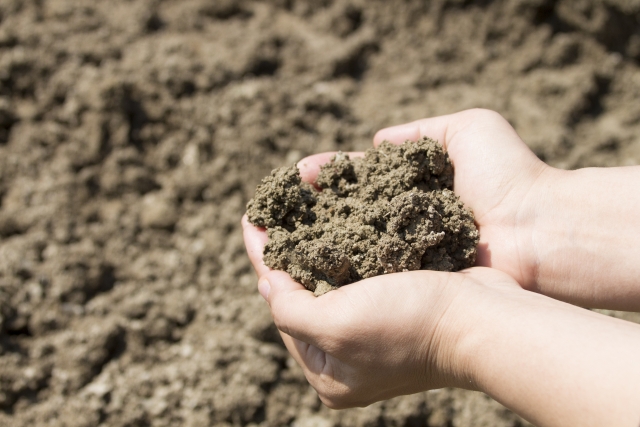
[393,210]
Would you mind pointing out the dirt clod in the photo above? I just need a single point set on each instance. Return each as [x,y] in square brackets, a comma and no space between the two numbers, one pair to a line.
[393,210]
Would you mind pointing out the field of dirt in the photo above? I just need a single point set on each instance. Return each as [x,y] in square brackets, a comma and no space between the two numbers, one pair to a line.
[133,133]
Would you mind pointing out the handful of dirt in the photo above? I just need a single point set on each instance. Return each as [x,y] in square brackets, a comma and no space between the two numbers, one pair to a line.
[393,210]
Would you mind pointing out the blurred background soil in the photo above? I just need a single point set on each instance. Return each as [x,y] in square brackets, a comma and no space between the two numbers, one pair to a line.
[133,132]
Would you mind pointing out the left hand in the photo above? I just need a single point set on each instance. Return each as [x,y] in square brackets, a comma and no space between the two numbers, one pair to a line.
[378,338]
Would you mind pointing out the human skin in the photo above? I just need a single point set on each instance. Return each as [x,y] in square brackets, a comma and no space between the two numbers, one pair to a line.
[553,363]
[571,235]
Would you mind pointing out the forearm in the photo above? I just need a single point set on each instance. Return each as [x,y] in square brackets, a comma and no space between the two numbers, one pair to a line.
[586,237]
[553,363]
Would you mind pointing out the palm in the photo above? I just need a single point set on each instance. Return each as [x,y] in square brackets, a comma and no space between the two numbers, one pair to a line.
[495,173]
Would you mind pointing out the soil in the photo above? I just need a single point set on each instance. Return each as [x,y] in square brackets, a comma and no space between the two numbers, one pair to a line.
[393,210]
[134,132]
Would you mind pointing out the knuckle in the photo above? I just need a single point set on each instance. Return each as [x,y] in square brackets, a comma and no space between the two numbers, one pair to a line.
[337,394]
[334,396]
[330,403]
[333,404]
[343,401]
[339,391]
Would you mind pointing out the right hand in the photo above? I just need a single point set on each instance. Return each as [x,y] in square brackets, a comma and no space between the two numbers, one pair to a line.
[570,235]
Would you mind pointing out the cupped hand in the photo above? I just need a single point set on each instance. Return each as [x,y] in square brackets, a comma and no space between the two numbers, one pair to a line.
[378,338]
[496,175]
[384,336]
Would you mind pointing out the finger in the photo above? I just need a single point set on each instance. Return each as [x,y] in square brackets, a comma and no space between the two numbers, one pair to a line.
[254,240]
[296,311]
[310,358]
[296,348]
[435,128]
[310,166]
[456,131]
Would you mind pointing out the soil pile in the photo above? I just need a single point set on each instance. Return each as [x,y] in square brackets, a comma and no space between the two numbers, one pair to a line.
[393,210]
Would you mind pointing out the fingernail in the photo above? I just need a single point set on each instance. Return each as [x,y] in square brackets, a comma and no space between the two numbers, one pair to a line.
[264,287]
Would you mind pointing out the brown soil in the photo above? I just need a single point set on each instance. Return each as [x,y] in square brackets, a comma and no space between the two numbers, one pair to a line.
[134,132]
[393,210]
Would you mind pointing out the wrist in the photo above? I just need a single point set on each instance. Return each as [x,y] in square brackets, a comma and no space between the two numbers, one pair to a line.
[535,219]
[457,337]
[583,238]
[528,352]
[481,317]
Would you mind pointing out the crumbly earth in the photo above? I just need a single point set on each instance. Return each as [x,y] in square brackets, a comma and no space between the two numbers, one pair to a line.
[393,210]
[133,133]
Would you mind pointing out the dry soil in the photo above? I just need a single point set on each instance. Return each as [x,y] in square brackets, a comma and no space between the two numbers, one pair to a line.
[134,132]
[393,210]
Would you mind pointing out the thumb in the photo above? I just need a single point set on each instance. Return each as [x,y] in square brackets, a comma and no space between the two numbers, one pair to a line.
[295,310]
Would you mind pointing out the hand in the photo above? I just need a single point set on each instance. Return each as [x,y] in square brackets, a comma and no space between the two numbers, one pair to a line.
[496,175]
[377,338]
[570,235]
[551,362]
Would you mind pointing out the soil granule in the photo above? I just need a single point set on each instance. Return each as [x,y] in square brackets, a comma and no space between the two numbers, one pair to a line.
[393,210]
